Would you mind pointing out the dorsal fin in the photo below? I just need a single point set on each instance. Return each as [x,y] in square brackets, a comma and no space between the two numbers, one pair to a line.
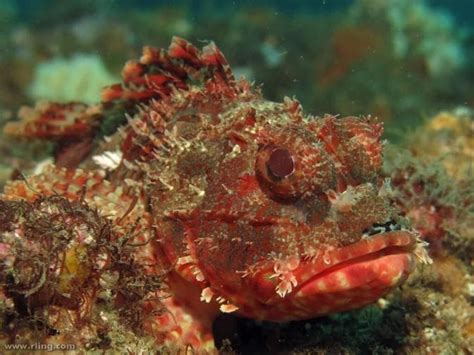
[154,76]
[50,120]
[157,75]
[159,71]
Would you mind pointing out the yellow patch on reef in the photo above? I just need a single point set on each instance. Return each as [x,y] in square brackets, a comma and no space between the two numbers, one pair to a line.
[449,136]
[76,269]
[445,120]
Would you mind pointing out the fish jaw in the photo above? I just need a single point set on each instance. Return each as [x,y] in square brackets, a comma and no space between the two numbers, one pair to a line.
[338,280]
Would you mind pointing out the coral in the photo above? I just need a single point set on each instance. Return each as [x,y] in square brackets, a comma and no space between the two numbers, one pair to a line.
[439,315]
[434,182]
[80,78]
[440,208]
[448,137]
[67,277]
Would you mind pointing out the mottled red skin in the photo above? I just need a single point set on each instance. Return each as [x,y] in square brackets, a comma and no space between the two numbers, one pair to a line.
[195,168]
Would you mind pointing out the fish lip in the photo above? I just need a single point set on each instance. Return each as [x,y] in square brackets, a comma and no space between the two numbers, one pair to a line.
[400,242]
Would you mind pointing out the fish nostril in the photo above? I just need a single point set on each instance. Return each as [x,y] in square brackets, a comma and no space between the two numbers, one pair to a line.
[281,163]
[377,228]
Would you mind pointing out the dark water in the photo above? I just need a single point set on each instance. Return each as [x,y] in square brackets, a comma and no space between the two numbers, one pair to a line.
[31,10]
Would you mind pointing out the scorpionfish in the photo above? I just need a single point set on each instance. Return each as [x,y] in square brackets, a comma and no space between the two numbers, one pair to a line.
[245,205]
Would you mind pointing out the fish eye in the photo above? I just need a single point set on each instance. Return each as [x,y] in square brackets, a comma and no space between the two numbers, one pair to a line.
[287,171]
[277,169]
[281,163]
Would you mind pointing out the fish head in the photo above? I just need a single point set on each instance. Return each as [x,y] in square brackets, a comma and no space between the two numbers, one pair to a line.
[287,216]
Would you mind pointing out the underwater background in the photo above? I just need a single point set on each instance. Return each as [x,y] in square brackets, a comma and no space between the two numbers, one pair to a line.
[407,62]
[399,60]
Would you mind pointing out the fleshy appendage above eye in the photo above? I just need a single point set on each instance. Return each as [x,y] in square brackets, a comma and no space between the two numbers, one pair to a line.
[287,171]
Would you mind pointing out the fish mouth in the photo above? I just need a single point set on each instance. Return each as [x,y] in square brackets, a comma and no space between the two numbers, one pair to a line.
[379,261]
[382,259]
[346,278]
